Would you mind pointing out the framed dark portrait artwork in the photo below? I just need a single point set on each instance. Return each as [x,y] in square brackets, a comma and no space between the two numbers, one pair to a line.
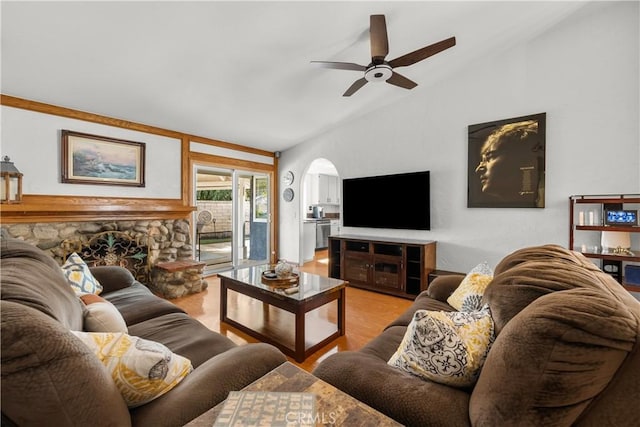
[507,163]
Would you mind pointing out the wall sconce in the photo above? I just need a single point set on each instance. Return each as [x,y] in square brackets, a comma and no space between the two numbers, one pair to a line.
[10,182]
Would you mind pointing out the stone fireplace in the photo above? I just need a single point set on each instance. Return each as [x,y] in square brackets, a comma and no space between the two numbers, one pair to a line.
[168,240]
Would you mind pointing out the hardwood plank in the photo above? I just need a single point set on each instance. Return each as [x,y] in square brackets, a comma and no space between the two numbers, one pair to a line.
[367,313]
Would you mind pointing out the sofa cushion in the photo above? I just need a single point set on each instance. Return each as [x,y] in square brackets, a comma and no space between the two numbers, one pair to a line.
[142,370]
[136,303]
[541,253]
[62,379]
[446,347]
[209,384]
[101,315]
[443,286]
[530,273]
[366,376]
[32,278]
[112,277]
[79,276]
[468,295]
[422,302]
[183,335]
[554,358]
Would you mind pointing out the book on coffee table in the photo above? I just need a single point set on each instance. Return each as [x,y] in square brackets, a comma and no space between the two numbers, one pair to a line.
[260,408]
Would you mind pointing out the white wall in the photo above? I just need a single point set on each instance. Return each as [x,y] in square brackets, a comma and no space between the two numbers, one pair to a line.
[32,140]
[583,73]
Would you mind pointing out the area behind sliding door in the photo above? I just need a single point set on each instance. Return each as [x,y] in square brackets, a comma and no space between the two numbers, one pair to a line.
[232,217]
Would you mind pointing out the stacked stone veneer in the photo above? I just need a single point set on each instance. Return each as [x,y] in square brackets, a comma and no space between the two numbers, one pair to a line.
[167,240]
[180,282]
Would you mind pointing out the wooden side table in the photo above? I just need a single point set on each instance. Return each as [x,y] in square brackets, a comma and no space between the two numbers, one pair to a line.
[334,407]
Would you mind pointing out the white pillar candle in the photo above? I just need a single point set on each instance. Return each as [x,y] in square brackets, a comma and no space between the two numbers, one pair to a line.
[581,218]
[591,222]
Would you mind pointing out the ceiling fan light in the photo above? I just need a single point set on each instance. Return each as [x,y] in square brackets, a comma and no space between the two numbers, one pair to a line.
[378,73]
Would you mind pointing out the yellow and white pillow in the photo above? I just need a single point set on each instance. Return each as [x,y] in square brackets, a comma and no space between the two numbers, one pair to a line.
[446,347]
[143,370]
[468,295]
[79,276]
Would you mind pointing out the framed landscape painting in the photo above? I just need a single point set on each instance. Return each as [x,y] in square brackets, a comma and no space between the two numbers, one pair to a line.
[506,163]
[92,159]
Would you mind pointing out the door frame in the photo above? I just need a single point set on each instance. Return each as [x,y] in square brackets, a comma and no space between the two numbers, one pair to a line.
[212,161]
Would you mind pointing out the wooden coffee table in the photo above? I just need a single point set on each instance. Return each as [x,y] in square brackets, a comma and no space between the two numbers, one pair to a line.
[332,405]
[293,338]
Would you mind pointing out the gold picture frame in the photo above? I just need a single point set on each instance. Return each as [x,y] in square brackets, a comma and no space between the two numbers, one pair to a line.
[93,159]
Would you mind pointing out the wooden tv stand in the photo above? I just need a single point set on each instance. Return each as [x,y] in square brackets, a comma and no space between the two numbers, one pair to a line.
[393,266]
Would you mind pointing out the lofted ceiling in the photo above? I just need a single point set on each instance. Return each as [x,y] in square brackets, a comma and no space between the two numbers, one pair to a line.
[240,71]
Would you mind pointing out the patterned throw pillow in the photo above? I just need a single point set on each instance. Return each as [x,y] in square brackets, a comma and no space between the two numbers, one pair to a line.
[101,315]
[468,296]
[79,276]
[143,370]
[446,347]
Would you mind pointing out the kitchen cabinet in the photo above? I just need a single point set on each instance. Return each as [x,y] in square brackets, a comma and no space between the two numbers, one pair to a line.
[335,227]
[308,240]
[323,190]
[393,266]
[328,191]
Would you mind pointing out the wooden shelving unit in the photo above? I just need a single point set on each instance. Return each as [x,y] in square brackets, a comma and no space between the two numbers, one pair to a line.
[610,262]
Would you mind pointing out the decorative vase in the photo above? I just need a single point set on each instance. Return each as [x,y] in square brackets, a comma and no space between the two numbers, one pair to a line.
[283,269]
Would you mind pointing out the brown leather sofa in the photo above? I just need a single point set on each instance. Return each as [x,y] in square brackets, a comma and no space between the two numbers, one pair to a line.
[566,352]
[49,377]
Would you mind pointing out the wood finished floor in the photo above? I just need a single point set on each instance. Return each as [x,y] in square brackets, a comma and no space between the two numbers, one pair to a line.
[367,313]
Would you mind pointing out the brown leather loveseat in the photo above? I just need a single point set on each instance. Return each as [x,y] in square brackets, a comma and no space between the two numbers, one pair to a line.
[50,377]
[566,352]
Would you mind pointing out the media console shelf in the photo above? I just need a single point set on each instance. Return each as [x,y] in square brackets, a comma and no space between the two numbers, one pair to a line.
[394,266]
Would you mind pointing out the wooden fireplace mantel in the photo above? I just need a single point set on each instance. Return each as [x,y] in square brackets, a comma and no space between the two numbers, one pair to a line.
[42,208]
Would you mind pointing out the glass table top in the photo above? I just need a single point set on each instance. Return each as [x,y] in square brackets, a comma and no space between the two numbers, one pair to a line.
[309,284]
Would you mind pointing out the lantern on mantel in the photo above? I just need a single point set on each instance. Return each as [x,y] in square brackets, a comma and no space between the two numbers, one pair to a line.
[10,182]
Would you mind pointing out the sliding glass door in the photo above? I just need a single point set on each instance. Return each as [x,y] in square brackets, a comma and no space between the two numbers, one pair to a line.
[232,217]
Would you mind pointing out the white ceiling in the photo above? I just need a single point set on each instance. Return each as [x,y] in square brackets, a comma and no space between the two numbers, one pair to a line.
[240,71]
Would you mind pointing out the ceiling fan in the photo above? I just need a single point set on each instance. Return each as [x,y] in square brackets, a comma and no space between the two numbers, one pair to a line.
[380,70]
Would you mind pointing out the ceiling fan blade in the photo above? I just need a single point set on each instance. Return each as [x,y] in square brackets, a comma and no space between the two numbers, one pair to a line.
[424,53]
[355,86]
[340,65]
[402,81]
[379,39]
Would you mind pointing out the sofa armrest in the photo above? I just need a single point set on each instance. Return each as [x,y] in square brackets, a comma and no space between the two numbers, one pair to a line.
[112,277]
[443,286]
[209,384]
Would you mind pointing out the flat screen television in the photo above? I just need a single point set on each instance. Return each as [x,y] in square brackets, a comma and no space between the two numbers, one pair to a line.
[399,201]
